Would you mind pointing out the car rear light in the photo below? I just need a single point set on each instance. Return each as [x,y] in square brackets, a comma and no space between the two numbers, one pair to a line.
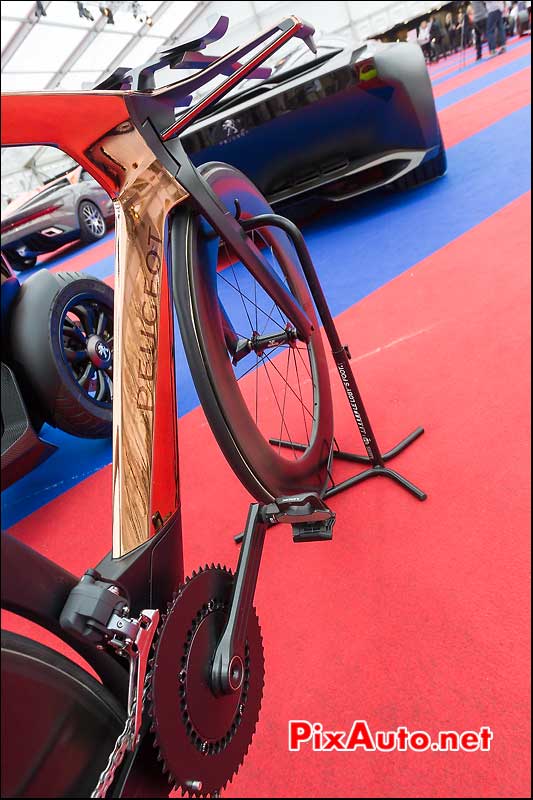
[366,70]
[8,225]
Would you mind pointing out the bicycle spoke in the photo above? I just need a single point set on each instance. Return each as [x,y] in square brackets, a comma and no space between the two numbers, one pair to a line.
[279,409]
[275,305]
[300,390]
[303,360]
[290,387]
[285,394]
[256,388]
[283,321]
[238,287]
[260,360]
[290,381]
[255,292]
[245,296]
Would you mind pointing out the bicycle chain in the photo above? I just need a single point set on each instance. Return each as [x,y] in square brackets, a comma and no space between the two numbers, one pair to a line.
[121,746]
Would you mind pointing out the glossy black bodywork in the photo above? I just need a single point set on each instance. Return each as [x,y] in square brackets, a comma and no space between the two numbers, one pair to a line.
[301,135]
[22,449]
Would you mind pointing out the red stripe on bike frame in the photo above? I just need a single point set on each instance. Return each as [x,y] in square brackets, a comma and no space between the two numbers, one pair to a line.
[484,68]
[469,116]
[221,90]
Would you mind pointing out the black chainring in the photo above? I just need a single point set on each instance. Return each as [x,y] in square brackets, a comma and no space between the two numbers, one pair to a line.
[202,739]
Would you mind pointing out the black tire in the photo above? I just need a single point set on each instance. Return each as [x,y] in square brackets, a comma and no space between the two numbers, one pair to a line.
[92,222]
[18,262]
[59,724]
[427,171]
[51,357]
[265,471]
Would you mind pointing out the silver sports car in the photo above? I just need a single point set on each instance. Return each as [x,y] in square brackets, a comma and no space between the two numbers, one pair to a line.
[70,206]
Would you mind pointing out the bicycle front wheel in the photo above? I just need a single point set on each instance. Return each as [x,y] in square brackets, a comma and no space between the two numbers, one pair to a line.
[280,388]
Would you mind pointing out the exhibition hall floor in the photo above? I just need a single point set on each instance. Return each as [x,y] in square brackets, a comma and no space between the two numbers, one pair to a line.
[415,613]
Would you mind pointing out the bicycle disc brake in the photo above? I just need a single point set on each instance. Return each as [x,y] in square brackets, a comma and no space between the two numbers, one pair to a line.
[202,738]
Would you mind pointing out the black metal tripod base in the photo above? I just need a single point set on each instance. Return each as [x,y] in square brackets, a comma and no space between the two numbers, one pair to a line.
[374,470]
[374,459]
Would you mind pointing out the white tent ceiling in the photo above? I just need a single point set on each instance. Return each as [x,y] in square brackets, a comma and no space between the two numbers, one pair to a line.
[66,51]
[62,50]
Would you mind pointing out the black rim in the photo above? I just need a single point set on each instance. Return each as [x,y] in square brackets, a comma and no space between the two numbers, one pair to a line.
[278,379]
[86,329]
[227,394]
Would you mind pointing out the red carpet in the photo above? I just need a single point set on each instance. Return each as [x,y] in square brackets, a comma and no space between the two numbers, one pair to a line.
[467,117]
[484,67]
[460,62]
[416,614]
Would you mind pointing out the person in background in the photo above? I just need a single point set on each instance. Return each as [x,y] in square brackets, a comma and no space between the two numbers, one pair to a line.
[523,17]
[436,37]
[463,30]
[479,19]
[424,38]
[511,18]
[495,26]
[451,32]
[506,11]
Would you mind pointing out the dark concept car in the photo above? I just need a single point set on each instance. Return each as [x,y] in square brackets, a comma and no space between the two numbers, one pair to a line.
[57,363]
[328,126]
[70,206]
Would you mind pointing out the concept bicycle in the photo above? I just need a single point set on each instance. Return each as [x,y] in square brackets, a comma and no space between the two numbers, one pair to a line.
[180,669]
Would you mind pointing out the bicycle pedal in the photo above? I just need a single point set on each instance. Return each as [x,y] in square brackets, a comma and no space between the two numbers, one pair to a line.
[319,531]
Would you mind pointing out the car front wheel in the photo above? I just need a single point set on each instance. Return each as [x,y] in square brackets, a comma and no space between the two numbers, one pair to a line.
[92,223]
[61,339]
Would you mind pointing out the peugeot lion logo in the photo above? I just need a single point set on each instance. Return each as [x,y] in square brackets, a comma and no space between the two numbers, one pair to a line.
[229,127]
[103,351]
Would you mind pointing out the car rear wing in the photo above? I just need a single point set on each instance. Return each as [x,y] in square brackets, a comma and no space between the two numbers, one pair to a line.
[164,101]
[73,121]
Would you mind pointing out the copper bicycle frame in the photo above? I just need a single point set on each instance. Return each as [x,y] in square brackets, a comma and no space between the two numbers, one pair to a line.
[123,139]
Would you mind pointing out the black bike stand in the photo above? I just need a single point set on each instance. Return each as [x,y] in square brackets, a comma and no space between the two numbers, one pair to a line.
[374,457]
[378,465]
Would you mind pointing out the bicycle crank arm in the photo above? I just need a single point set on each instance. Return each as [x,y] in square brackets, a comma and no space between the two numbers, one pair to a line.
[228,664]
[311,521]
